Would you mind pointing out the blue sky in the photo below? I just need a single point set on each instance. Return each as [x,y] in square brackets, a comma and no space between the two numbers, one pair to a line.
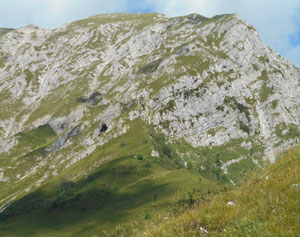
[277,21]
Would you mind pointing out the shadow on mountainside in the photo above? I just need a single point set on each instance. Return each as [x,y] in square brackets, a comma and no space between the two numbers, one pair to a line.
[102,196]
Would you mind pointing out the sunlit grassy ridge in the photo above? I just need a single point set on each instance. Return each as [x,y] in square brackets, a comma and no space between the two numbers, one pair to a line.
[268,204]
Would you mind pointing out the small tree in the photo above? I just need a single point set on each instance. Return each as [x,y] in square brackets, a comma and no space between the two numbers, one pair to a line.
[219,166]
[167,151]
[218,161]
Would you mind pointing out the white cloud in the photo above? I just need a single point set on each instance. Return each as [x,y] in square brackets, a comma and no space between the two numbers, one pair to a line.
[57,5]
[52,13]
[178,7]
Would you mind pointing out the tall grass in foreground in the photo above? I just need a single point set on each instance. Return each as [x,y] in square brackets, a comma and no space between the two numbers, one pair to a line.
[268,204]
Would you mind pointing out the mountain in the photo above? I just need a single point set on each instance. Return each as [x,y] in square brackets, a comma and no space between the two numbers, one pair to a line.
[110,118]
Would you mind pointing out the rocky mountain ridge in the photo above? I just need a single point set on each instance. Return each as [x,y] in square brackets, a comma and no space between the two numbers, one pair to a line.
[208,83]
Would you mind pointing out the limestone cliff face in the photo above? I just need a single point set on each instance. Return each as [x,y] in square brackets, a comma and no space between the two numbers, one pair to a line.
[203,81]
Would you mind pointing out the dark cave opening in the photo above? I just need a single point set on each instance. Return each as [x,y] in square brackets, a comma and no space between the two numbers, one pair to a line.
[103,128]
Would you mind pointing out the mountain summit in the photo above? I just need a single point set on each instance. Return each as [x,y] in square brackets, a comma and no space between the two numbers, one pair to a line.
[189,92]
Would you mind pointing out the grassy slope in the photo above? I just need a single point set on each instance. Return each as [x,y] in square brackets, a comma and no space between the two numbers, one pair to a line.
[268,204]
[122,190]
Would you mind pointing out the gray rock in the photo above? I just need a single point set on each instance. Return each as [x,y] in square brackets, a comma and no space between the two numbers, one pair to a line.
[61,141]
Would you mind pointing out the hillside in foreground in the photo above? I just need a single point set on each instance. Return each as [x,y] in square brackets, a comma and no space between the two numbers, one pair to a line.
[268,204]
